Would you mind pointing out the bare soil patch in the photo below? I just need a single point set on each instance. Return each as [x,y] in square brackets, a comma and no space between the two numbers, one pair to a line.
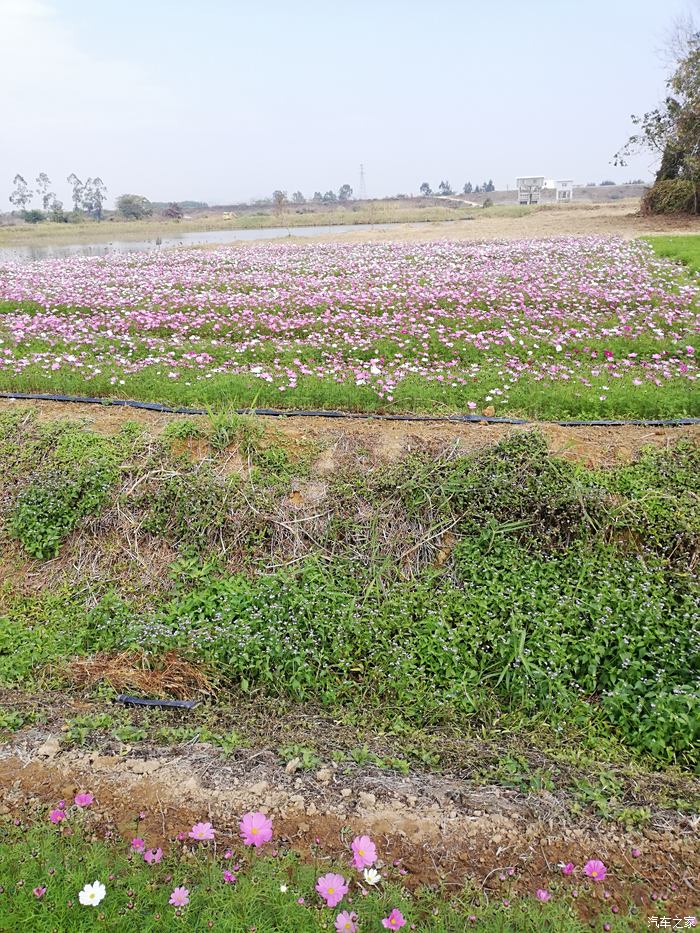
[443,830]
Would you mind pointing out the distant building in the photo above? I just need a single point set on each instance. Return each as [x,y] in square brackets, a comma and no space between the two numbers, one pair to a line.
[530,188]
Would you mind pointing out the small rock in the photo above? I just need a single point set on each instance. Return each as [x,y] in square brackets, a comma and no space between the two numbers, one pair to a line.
[259,788]
[489,411]
[345,792]
[324,775]
[50,748]
[292,765]
[143,766]
[367,800]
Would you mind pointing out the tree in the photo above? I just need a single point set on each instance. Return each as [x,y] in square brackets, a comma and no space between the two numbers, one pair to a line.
[477,190]
[279,199]
[21,195]
[329,197]
[425,189]
[43,183]
[298,198]
[672,130]
[78,188]
[606,181]
[467,188]
[445,188]
[56,212]
[34,216]
[345,193]
[173,211]
[488,185]
[94,194]
[134,206]
[317,196]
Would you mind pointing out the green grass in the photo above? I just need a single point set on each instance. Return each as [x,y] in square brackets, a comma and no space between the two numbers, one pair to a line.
[37,855]
[685,249]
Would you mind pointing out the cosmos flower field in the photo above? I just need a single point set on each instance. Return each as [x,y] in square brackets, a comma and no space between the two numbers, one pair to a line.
[577,327]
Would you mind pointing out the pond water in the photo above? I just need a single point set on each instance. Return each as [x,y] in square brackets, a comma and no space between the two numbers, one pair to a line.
[195,238]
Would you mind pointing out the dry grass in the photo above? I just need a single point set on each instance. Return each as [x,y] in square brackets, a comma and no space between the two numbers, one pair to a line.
[168,676]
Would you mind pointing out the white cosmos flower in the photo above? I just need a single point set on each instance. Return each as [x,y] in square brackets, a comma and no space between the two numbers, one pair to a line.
[375,370]
[283,888]
[371,876]
[92,894]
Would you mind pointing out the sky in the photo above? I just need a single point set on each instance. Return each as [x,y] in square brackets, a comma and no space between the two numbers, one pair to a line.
[227,100]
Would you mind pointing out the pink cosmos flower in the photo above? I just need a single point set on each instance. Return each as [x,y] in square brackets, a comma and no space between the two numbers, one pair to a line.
[568,869]
[595,869]
[364,852]
[543,895]
[84,800]
[180,897]
[346,922]
[56,816]
[636,853]
[137,844]
[394,921]
[153,856]
[256,829]
[39,891]
[229,876]
[202,832]
[332,888]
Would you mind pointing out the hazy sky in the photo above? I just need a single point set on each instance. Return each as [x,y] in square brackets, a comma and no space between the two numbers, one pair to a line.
[225,100]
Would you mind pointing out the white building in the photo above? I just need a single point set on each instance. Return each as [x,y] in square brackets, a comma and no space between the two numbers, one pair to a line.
[530,188]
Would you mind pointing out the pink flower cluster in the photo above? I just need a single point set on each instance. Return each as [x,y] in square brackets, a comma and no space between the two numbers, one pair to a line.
[581,311]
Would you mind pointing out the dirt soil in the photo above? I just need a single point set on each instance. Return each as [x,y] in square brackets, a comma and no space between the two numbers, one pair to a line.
[621,218]
[379,441]
[443,830]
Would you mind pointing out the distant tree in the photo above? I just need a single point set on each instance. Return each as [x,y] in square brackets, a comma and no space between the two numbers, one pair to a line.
[21,194]
[607,182]
[94,194]
[425,189]
[134,206]
[298,198]
[43,183]
[56,212]
[279,199]
[591,184]
[477,190]
[445,188]
[34,216]
[78,189]
[488,185]
[344,193]
[330,197]
[173,211]
[467,188]
[317,196]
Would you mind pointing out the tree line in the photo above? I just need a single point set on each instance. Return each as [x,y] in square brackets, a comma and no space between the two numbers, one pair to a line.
[280,198]
[445,189]
[88,196]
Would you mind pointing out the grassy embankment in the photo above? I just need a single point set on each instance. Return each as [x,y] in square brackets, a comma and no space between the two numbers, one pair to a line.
[529,622]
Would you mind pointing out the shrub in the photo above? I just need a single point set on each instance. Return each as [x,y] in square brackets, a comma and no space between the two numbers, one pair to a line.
[671,196]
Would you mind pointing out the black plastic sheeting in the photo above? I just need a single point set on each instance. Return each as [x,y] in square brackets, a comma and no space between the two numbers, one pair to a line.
[276,413]
[166,704]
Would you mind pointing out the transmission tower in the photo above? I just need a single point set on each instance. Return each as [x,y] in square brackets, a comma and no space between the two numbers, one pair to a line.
[363,186]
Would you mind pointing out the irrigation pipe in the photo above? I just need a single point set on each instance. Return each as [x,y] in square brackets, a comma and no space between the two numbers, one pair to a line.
[371,416]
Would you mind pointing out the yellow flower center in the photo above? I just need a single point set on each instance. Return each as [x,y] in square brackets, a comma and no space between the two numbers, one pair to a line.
[254,831]
[594,874]
[330,890]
